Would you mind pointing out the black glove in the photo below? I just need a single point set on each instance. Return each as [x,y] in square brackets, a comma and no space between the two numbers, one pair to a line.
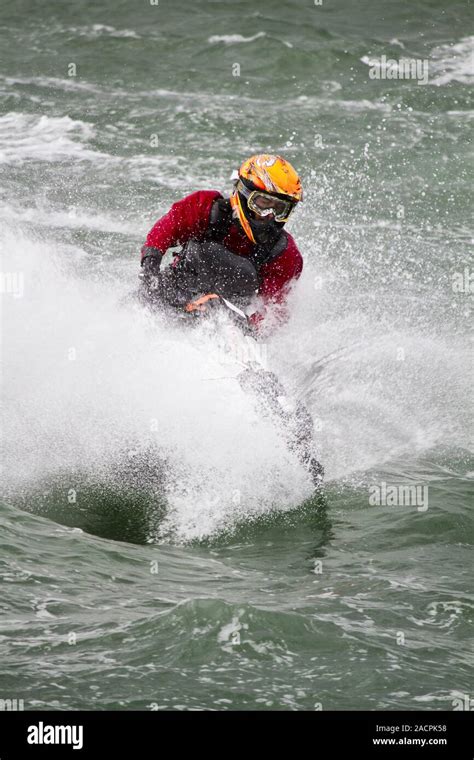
[150,274]
[151,261]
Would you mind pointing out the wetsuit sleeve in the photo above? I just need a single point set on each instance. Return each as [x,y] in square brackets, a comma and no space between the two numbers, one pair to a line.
[186,218]
[277,279]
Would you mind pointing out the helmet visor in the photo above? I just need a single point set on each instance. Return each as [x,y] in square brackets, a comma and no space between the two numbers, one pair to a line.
[264,204]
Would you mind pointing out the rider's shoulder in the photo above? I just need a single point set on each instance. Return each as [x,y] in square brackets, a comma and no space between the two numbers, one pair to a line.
[203,197]
[291,247]
[291,260]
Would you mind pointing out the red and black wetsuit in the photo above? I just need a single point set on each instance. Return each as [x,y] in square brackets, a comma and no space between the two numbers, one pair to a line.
[190,218]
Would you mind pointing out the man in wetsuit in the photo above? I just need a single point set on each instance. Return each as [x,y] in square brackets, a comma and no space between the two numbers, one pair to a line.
[245,230]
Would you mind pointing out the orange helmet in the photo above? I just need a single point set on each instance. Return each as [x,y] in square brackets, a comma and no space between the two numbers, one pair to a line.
[267,185]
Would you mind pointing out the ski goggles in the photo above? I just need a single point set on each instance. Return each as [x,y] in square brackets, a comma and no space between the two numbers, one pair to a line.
[264,204]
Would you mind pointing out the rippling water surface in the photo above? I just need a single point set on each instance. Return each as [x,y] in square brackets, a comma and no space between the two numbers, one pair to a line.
[159,547]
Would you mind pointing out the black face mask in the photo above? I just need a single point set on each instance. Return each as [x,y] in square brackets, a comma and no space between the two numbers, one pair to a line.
[265,232]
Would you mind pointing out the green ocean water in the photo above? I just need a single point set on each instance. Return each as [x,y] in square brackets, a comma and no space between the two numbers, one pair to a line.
[208,577]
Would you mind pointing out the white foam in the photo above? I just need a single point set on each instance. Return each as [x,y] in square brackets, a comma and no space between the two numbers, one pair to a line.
[237,39]
[87,379]
[372,402]
[234,39]
[71,218]
[43,138]
[453,62]
[103,30]
[52,83]
[328,104]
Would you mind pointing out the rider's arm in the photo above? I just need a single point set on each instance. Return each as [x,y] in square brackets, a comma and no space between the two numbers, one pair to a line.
[277,278]
[186,218]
